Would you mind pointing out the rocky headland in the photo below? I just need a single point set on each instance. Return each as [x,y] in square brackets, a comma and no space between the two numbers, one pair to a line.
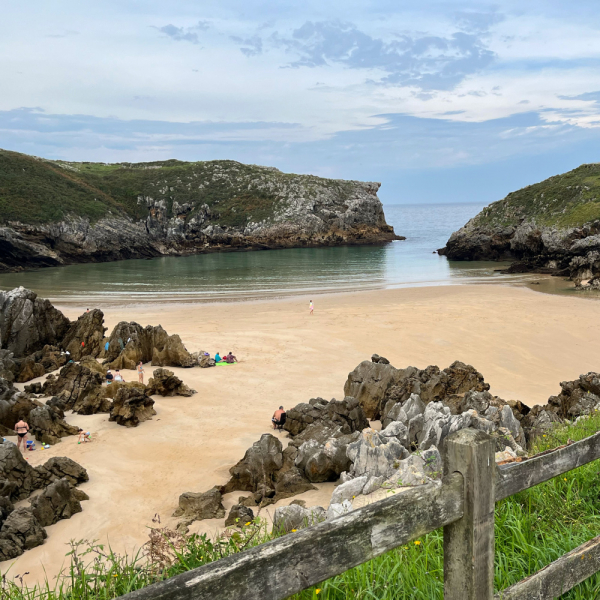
[550,227]
[56,213]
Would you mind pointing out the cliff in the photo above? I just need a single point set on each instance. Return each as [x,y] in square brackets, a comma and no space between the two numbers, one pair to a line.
[55,212]
[550,227]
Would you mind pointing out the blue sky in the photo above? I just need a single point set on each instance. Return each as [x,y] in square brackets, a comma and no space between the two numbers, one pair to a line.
[439,101]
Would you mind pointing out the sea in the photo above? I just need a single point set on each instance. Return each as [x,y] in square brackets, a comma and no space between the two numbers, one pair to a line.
[231,276]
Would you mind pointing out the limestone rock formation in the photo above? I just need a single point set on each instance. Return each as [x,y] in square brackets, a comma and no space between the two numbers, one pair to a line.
[75,382]
[28,323]
[239,516]
[165,383]
[46,360]
[48,426]
[325,461]
[56,502]
[131,407]
[375,455]
[84,336]
[196,207]
[379,386]
[21,531]
[578,397]
[130,343]
[346,413]
[294,517]
[207,505]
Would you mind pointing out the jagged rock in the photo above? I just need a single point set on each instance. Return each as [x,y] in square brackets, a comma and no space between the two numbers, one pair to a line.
[578,397]
[28,323]
[346,413]
[21,531]
[258,467]
[206,361]
[239,516]
[207,505]
[291,482]
[88,329]
[93,365]
[61,467]
[56,502]
[288,518]
[173,354]
[48,425]
[375,455]
[398,431]
[8,366]
[379,359]
[75,382]
[379,387]
[410,472]
[33,388]
[337,510]
[349,490]
[325,462]
[131,407]
[373,484]
[79,495]
[165,383]
[16,406]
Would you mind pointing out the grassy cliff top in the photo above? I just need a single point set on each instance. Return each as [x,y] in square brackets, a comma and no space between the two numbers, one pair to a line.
[34,190]
[567,200]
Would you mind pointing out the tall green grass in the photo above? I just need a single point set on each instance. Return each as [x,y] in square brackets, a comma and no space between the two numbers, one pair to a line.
[533,529]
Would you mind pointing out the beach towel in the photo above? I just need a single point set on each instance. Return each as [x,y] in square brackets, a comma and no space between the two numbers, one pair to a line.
[224,363]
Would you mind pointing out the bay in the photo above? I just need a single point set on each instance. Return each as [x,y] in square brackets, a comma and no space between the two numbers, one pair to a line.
[276,273]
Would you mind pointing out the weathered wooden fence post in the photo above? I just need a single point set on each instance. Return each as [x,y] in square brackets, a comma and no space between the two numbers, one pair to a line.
[469,542]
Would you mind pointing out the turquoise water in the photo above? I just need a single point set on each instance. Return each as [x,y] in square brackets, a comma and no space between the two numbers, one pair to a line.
[273,273]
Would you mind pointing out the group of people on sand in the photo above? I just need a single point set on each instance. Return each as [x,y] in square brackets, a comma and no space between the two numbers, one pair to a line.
[228,358]
[119,377]
[22,429]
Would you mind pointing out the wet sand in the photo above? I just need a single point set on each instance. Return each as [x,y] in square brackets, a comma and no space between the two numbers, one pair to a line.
[523,342]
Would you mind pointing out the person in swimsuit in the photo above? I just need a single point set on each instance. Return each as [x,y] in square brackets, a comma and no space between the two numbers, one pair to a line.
[311,307]
[84,436]
[217,357]
[118,376]
[140,370]
[276,419]
[22,429]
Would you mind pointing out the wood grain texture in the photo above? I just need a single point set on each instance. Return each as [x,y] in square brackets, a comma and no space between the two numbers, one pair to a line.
[289,564]
[512,479]
[469,542]
[558,577]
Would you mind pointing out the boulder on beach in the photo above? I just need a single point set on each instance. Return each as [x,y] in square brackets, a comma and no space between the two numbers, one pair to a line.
[84,336]
[165,383]
[56,502]
[199,506]
[131,407]
[239,516]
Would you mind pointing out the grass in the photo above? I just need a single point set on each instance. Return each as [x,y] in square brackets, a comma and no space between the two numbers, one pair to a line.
[36,191]
[568,200]
[533,528]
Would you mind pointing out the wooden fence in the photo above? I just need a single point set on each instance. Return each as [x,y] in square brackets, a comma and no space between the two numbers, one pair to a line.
[463,505]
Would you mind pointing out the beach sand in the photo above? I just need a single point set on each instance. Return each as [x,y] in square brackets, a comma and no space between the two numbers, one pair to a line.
[523,342]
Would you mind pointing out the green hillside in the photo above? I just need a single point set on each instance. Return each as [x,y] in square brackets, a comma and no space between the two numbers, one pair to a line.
[566,200]
[34,190]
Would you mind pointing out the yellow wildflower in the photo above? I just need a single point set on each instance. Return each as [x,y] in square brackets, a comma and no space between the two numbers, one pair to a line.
[318,591]
[294,530]
[417,543]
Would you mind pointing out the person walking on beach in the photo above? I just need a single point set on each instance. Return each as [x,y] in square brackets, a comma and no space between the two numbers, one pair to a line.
[311,307]
[140,370]
[22,428]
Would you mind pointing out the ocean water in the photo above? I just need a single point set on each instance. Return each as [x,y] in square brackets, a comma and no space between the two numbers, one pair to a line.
[276,273]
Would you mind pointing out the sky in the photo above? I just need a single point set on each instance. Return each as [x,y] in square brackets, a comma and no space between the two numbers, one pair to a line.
[439,101]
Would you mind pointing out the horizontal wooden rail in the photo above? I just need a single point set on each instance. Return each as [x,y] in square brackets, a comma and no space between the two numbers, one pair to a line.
[558,577]
[296,561]
[517,477]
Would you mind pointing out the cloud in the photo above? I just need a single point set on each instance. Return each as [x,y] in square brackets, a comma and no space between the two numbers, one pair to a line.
[477,21]
[65,34]
[184,34]
[250,46]
[426,61]
[587,96]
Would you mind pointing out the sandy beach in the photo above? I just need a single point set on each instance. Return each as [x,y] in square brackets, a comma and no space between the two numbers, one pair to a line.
[523,342]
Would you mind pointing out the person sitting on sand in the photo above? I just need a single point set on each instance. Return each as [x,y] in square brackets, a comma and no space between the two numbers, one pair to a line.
[218,357]
[21,429]
[118,376]
[140,370]
[109,377]
[230,358]
[277,417]
[84,436]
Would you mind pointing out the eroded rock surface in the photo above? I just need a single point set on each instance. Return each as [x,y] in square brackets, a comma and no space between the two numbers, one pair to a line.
[131,407]
[165,383]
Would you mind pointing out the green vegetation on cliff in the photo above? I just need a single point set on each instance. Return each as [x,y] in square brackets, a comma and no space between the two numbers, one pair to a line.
[34,190]
[568,200]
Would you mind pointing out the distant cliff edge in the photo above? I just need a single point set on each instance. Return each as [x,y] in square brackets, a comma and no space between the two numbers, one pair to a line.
[56,213]
[549,227]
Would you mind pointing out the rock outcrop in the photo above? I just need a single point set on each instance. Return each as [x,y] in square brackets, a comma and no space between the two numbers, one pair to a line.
[198,207]
[84,336]
[549,227]
[28,323]
[75,383]
[346,413]
[165,383]
[379,386]
[131,407]
[239,516]
[56,502]
[207,505]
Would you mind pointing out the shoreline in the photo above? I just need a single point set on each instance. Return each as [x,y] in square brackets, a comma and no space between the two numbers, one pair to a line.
[523,343]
